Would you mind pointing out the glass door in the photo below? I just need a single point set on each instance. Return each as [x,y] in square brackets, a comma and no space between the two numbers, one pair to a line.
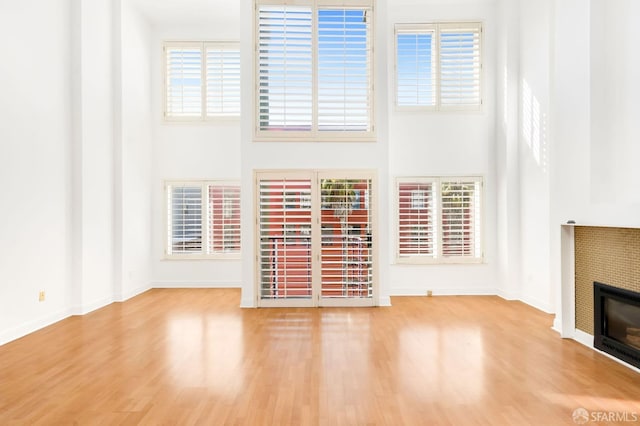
[346,260]
[315,238]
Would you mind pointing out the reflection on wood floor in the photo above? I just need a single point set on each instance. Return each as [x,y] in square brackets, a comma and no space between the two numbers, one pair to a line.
[181,357]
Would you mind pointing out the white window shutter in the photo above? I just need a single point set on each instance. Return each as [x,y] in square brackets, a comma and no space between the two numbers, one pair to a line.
[460,66]
[344,70]
[224,218]
[183,81]
[185,219]
[223,81]
[416,67]
[460,218]
[285,250]
[285,61]
[416,220]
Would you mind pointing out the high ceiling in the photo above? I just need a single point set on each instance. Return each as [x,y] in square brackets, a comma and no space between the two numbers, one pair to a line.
[189,11]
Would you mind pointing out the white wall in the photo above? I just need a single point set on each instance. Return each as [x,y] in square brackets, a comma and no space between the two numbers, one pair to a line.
[93,199]
[507,151]
[533,163]
[183,151]
[615,67]
[445,144]
[134,163]
[35,149]
[581,167]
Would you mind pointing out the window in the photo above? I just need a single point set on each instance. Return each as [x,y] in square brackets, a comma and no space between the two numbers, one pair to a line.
[438,66]
[313,70]
[439,220]
[203,219]
[202,80]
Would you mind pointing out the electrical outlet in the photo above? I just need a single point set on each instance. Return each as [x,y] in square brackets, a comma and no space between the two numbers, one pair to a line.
[41,296]
[429,293]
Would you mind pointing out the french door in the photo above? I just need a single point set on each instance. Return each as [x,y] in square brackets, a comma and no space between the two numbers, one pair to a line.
[315,238]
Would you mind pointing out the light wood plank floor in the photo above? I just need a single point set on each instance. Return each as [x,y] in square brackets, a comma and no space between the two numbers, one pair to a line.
[182,357]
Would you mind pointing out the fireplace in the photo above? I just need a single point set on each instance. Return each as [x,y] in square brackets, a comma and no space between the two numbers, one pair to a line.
[617,322]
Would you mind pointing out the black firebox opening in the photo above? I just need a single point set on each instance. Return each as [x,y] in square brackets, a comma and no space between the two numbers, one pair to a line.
[617,322]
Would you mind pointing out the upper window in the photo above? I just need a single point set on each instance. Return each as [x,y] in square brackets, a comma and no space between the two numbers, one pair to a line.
[438,66]
[202,80]
[203,219]
[439,220]
[313,70]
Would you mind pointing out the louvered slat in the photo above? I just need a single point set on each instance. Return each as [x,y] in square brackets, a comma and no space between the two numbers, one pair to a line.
[346,260]
[285,61]
[184,81]
[185,222]
[416,222]
[460,218]
[415,68]
[223,80]
[460,65]
[224,218]
[344,52]
[284,223]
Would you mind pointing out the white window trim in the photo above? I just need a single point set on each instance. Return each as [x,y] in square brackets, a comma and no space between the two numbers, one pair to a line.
[435,27]
[315,135]
[203,117]
[439,259]
[204,185]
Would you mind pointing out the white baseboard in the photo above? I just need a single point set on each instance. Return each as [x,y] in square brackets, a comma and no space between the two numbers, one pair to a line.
[248,302]
[508,296]
[557,325]
[587,340]
[90,307]
[538,304]
[583,338]
[196,284]
[32,326]
[444,292]
[384,301]
[121,297]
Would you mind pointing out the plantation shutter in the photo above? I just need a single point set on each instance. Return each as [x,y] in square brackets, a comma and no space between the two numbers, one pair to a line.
[224,218]
[460,65]
[223,80]
[415,67]
[284,225]
[346,256]
[285,62]
[183,81]
[460,218]
[185,219]
[344,70]
[416,220]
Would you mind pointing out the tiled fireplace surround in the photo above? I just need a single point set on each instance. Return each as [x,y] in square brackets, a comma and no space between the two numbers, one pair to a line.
[610,255]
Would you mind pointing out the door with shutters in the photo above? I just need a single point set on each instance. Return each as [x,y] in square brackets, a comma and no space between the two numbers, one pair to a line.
[315,235]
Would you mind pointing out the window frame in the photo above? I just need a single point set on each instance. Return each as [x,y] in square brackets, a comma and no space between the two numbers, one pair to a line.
[206,220]
[203,46]
[437,226]
[315,134]
[437,27]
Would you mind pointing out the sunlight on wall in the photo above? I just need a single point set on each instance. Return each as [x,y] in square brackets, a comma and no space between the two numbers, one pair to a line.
[534,126]
[505,99]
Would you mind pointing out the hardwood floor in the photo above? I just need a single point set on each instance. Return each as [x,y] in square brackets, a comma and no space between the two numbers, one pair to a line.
[182,357]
